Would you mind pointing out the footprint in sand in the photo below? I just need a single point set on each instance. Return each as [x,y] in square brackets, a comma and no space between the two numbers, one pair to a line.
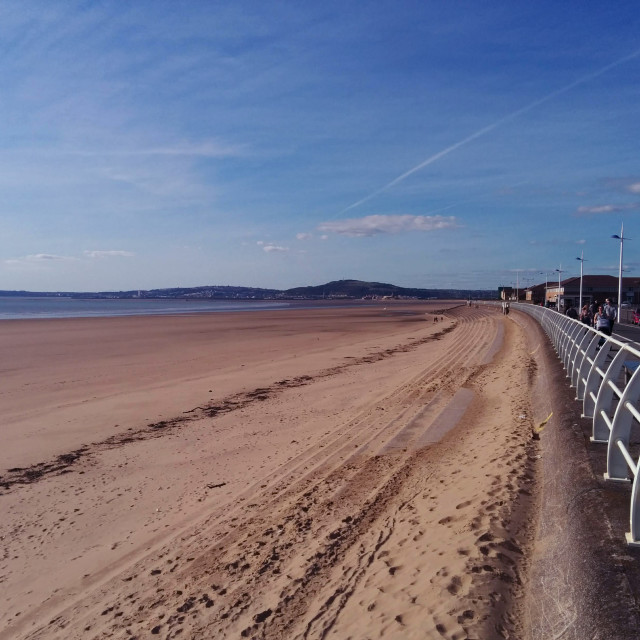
[455,585]
[466,615]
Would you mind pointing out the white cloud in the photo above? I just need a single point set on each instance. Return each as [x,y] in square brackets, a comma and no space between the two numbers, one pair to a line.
[41,257]
[37,260]
[324,237]
[48,256]
[260,243]
[606,208]
[108,254]
[634,187]
[374,225]
[304,236]
[271,248]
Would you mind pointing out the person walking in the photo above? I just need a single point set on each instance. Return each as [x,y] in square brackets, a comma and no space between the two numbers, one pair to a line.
[571,312]
[585,316]
[601,321]
[611,313]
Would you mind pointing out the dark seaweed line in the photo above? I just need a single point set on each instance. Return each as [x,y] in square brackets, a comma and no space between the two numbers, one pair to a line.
[62,464]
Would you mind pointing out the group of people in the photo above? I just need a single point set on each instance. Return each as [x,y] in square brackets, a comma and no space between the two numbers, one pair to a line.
[601,317]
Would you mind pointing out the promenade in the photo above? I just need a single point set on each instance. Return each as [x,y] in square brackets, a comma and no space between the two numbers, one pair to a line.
[585,579]
[627,332]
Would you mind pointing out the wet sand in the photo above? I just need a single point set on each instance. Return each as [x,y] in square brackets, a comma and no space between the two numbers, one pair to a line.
[309,473]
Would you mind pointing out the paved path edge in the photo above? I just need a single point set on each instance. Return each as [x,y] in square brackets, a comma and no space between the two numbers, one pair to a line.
[584,580]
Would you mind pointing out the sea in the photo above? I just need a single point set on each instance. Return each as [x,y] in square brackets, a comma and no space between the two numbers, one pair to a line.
[19,308]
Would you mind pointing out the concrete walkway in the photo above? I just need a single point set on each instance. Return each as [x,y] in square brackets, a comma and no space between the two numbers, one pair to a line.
[584,580]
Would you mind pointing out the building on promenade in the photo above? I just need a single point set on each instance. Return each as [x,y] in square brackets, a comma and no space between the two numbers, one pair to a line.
[536,293]
[595,288]
[510,293]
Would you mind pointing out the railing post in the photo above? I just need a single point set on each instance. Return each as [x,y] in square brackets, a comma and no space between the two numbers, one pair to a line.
[617,467]
[579,359]
[633,536]
[567,339]
[593,379]
[574,335]
[558,334]
[601,431]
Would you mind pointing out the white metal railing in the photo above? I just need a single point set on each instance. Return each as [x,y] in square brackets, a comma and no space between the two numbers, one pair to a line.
[606,375]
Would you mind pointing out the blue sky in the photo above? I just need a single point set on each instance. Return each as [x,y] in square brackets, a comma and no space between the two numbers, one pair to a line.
[431,144]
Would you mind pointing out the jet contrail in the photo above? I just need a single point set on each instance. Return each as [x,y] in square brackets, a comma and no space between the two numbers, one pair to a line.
[490,127]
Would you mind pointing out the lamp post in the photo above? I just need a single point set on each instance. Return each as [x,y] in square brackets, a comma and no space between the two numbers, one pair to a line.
[622,239]
[581,258]
[558,296]
[546,285]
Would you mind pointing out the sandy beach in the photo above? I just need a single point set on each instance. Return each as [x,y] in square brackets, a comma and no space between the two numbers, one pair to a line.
[311,473]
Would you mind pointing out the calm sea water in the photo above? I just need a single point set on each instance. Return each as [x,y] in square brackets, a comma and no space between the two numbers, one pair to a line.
[21,308]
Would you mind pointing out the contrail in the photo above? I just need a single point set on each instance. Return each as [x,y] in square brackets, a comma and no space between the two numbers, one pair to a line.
[492,126]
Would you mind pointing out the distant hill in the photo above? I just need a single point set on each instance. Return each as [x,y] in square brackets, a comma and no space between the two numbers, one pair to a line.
[345,289]
[360,289]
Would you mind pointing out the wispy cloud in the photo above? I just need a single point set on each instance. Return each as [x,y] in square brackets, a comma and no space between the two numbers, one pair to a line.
[49,258]
[606,208]
[205,150]
[108,254]
[41,257]
[629,184]
[274,248]
[38,259]
[387,224]
[304,236]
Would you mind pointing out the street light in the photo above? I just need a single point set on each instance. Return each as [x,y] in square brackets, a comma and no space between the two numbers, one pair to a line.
[581,258]
[546,285]
[622,239]
[558,296]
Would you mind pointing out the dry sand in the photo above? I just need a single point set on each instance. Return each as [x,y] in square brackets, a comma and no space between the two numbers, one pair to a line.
[338,473]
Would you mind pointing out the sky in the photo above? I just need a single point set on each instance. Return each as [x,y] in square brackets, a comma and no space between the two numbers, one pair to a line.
[153,143]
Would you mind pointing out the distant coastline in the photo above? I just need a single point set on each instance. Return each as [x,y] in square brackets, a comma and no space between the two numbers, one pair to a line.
[336,290]
[60,307]
[48,307]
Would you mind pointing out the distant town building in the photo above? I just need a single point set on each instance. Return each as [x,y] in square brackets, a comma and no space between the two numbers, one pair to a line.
[509,293]
[594,288]
[505,293]
[535,294]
